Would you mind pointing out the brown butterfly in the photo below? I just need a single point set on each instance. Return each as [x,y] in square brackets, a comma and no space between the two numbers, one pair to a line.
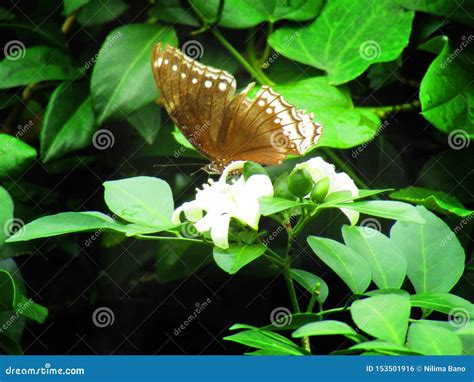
[223,126]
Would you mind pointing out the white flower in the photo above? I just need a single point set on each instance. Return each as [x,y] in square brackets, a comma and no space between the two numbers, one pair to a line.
[220,201]
[320,169]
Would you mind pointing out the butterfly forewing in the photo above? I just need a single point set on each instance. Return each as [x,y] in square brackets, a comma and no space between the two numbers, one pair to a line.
[201,102]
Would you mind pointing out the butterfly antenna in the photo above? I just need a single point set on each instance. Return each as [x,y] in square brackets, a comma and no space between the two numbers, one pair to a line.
[178,165]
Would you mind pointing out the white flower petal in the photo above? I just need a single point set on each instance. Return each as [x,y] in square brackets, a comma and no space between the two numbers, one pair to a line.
[342,182]
[236,165]
[220,231]
[206,223]
[318,168]
[259,185]
[352,215]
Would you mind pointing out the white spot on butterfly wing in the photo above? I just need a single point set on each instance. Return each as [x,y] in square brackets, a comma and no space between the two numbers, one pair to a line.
[158,62]
[174,68]
[194,80]
[222,86]
[208,84]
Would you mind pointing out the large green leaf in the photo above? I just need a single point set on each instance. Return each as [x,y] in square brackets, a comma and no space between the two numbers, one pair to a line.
[248,13]
[71,6]
[434,255]
[236,257]
[344,125]
[6,214]
[262,339]
[63,223]
[447,92]
[383,347]
[445,303]
[385,259]
[122,81]
[434,200]
[326,328]
[143,200]
[457,11]
[15,155]
[8,290]
[341,44]
[311,283]
[270,205]
[173,12]
[348,264]
[384,316]
[68,122]
[433,340]
[147,121]
[385,209]
[36,64]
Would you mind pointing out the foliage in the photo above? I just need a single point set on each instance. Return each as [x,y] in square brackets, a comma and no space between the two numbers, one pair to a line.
[392,85]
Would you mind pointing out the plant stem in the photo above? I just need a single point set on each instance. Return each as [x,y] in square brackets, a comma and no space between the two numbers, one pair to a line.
[68,23]
[382,111]
[266,52]
[360,183]
[169,238]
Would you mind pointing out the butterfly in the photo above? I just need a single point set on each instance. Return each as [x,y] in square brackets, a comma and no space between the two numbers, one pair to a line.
[222,125]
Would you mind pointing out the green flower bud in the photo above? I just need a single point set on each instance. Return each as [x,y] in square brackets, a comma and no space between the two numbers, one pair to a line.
[252,168]
[320,190]
[280,187]
[300,182]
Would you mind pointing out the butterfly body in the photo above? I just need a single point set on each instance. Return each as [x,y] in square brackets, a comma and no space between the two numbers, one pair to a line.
[225,126]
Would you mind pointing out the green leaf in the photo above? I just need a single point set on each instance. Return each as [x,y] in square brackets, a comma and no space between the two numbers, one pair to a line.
[8,288]
[345,126]
[385,209]
[384,316]
[71,6]
[437,201]
[29,309]
[348,265]
[100,12]
[385,259]
[15,155]
[326,328]
[6,214]
[122,81]
[434,255]
[23,69]
[383,347]
[343,196]
[172,12]
[339,43]
[461,12]
[291,321]
[444,303]
[433,340]
[248,13]
[147,121]
[68,122]
[311,283]
[447,92]
[10,346]
[270,205]
[63,223]
[144,200]
[236,257]
[262,339]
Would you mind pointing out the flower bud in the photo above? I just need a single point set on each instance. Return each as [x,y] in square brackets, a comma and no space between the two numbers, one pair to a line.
[320,190]
[300,182]
[252,168]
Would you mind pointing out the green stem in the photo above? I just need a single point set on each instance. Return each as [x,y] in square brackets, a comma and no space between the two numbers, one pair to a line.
[169,238]
[382,111]
[360,183]
[266,52]
[335,310]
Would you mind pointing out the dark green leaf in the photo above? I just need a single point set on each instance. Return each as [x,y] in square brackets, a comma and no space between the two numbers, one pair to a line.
[311,283]
[6,214]
[71,6]
[147,121]
[68,122]
[100,12]
[8,288]
[434,255]
[23,68]
[15,155]
[172,12]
